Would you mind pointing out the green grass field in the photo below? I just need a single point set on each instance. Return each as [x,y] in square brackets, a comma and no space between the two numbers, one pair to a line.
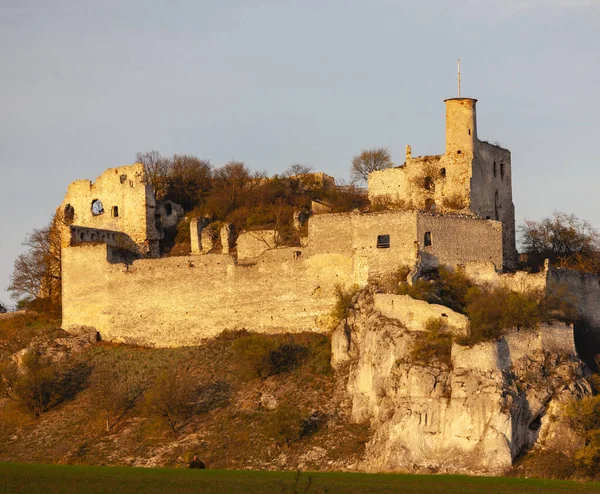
[50,479]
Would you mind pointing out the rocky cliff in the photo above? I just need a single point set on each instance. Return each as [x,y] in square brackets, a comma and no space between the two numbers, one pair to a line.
[474,410]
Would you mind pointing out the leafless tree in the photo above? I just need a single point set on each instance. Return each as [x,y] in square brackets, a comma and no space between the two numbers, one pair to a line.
[369,161]
[565,238]
[37,272]
[157,171]
[189,180]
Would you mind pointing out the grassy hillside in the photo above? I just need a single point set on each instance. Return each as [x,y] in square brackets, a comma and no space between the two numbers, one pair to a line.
[250,401]
[53,479]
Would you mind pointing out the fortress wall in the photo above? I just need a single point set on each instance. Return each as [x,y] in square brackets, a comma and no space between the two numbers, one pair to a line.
[459,240]
[583,287]
[556,337]
[253,244]
[415,313]
[520,281]
[392,183]
[370,260]
[181,300]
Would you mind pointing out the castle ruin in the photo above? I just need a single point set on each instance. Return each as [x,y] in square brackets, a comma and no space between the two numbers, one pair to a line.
[453,210]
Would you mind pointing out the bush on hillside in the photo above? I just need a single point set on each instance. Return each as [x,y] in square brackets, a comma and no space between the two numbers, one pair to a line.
[433,344]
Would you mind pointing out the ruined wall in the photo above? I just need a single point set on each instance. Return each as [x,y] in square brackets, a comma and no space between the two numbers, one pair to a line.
[128,205]
[253,244]
[414,314]
[519,281]
[584,288]
[180,300]
[84,235]
[491,193]
[459,240]
[354,238]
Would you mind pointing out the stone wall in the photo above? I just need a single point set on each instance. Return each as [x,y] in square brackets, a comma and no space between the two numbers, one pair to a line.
[414,314]
[253,244]
[584,288]
[181,300]
[458,240]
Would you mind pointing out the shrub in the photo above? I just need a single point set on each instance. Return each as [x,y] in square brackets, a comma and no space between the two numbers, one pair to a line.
[584,418]
[36,387]
[442,286]
[261,356]
[432,345]
[454,201]
[171,399]
[344,302]
[492,310]
[115,387]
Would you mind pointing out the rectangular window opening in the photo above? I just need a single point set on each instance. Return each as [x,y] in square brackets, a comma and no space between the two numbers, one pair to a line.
[427,239]
[383,241]
[115,211]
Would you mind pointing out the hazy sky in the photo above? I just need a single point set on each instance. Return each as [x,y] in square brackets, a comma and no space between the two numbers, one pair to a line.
[87,84]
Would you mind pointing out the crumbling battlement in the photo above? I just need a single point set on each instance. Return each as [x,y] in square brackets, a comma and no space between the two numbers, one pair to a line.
[119,200]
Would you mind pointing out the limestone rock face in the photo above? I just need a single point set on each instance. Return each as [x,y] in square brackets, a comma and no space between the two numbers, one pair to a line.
[473,414]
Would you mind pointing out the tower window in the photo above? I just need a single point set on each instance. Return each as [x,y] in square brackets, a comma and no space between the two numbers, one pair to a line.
[115,211]
[383,241]
[427,239]
[458,152]
[97,207]
[69,214]
[443,173]
[169,209]
[123,178]
[494,168]
[502,170]
[469,131]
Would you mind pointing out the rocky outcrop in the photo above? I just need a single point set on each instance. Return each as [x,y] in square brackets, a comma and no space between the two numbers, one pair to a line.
[473,413]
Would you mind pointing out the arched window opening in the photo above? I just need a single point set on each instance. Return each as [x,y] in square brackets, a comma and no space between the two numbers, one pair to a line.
[97,207]
[69,214]
[443,173]
[428,183]
[427,239]
[429,205]
[123,178]
[169,208]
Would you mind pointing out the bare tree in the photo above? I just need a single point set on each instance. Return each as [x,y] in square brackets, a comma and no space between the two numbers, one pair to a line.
[565,238]
[37,272]
[369,161]
[157,171]
[297,169]
[115,386]
[189,180]
[172,399]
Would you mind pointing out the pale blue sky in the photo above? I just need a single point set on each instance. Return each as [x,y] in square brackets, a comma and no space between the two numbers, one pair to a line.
[86,84]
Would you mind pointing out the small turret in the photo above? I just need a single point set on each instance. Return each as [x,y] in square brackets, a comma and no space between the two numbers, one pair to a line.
[461,125]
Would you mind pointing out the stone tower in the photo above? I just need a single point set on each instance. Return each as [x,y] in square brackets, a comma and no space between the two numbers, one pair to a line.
[472,177]
[461,125]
